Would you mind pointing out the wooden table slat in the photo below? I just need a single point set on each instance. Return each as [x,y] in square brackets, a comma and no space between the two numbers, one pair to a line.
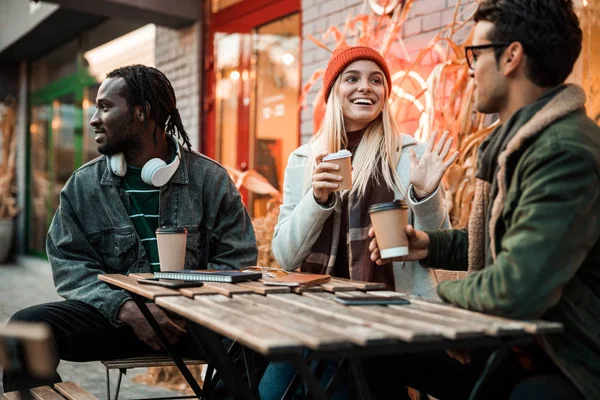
[312,335]
[73,391]
[45,393]
[142,275]
[227,289]
[448,330]
[131,284]
[191,292]
[360,285]
[261,288]
[421,313]
[249,333]
[356,333]
[333,286]
[398,328]
[445,311]
[10,396]
[307,289]
[533,327]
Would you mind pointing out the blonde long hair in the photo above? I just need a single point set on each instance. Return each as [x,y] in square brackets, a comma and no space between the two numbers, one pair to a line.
[378,151]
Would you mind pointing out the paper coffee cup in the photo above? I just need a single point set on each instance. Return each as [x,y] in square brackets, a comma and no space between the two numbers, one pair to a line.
[171,248]
[343,158]
[389,223]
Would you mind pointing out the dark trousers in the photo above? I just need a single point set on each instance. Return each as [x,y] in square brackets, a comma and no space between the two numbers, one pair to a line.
[444,378]
[82,334]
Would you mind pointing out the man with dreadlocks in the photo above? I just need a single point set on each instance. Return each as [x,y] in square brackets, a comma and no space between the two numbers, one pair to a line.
[109,210]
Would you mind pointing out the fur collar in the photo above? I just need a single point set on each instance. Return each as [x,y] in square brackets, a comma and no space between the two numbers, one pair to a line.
[571,99]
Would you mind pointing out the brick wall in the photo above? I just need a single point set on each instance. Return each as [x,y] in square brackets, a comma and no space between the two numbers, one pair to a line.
[177,56]
[425,19]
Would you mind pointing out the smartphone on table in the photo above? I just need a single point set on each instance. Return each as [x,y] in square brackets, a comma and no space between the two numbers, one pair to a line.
[365,299]
[170,283]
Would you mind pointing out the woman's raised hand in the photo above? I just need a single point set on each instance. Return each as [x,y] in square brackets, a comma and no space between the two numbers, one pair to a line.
[427,172]
[325,179]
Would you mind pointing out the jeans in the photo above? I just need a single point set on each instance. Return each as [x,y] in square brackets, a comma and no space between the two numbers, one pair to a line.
[278,376]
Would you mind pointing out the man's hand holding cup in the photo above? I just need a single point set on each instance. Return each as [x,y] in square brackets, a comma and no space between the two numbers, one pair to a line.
[418,244]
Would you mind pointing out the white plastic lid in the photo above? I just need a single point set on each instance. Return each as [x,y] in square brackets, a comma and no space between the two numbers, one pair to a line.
[338,155]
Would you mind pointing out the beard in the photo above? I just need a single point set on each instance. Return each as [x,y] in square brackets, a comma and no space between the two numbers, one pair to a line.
[124,139]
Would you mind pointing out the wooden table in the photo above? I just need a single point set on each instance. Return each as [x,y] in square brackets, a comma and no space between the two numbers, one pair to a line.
[284,325]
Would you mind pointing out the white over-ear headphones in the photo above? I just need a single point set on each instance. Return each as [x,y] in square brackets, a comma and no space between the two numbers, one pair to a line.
[156,172]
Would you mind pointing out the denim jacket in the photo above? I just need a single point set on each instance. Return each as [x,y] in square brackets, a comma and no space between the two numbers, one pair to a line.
[91,232]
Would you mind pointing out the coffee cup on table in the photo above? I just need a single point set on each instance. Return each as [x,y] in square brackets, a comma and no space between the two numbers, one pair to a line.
[171,248]
[389,223]
[343,159]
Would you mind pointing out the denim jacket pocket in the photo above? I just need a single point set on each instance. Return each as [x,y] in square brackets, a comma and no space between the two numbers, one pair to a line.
[117,247]
[192,248]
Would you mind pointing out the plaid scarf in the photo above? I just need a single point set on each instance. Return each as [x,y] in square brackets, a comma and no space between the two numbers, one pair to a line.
[321,259]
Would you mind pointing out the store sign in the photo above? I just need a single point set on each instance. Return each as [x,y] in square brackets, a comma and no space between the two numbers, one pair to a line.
[274,106]
[278,110]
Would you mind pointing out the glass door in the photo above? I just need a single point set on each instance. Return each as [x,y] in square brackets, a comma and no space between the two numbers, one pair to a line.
[257,86]
[276,113]
[55,152]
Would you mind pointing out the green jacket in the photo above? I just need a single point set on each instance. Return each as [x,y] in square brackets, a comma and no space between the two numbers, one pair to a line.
[544,235]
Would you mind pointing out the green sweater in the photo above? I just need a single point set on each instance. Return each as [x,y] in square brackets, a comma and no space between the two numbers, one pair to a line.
[546,238]
[143,212]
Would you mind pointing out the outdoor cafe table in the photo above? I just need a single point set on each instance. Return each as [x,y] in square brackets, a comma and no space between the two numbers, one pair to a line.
[304,324]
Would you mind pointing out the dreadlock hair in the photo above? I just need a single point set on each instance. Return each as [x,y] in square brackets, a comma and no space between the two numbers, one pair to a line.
[149,86]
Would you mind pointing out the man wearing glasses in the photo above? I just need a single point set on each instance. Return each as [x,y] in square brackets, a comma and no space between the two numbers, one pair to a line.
[533,242]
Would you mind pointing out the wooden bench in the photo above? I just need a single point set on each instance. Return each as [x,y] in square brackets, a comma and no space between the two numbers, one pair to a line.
[61,391]
[27,350]
[124,364]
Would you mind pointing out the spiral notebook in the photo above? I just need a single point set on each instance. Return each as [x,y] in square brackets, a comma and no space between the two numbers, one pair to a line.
[209,276]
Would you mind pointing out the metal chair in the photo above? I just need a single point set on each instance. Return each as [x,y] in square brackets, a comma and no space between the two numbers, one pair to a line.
[124,364]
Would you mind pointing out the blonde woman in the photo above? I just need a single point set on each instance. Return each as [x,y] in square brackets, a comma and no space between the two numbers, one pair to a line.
[322,230]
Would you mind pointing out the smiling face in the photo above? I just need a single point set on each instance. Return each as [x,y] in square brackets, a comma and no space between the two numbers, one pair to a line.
[361,93]
[115,126]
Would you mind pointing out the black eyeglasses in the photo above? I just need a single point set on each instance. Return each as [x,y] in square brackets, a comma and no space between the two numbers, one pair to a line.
[472,57]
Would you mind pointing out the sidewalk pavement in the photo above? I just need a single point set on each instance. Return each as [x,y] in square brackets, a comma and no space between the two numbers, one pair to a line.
[29,282]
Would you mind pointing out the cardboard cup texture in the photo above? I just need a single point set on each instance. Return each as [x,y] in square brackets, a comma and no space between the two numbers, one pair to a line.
[389,223]
[344,160]
[171,248]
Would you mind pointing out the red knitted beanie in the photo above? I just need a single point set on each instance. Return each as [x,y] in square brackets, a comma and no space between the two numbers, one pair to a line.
[346,55]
